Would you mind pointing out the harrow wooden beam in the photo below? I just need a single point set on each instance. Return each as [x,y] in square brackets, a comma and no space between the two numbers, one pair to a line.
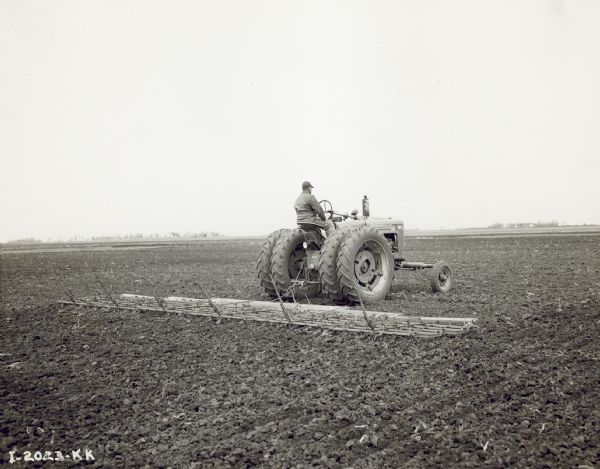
[328,317]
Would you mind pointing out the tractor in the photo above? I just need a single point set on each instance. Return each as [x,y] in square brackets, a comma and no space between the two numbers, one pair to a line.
[356,264]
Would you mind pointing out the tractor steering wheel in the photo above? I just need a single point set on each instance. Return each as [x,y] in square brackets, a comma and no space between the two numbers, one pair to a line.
[327,207]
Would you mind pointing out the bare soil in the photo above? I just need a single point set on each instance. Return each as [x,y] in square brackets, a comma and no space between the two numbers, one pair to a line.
[155,390]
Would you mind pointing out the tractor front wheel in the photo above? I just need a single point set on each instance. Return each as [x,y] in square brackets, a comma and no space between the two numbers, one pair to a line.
[441,277]
[365,266]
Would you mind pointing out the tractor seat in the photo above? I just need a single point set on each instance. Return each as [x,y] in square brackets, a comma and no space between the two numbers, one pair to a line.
[312,235]
[310,227]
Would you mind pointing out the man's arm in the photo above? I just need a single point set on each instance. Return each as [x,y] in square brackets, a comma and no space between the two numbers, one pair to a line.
[314,204]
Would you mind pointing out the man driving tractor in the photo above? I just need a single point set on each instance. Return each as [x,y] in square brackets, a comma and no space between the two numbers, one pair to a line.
[309,211]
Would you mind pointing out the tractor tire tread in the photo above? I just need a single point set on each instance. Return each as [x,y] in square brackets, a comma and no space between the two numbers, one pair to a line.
[328,274]
[263,262]
[280,259]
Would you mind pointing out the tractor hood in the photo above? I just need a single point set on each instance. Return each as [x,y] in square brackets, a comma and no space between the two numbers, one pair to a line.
[379,223]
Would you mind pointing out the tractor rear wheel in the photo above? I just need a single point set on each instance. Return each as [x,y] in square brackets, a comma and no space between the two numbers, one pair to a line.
[287,263]
[263,262]
[328,275]
[441,277]
[365,266]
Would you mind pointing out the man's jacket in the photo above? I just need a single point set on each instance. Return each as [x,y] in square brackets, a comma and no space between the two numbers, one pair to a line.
[308,208]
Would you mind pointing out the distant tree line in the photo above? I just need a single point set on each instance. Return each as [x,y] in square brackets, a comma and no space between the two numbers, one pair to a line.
[25,241]
[539,224]
[172,234]
[133,236]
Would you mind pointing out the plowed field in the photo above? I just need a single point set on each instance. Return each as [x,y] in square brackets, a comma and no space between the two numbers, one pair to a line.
[156,390]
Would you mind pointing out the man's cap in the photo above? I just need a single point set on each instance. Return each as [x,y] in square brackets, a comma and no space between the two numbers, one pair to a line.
[306,185]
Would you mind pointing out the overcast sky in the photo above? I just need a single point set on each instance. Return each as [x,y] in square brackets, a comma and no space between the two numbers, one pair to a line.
[122,116]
